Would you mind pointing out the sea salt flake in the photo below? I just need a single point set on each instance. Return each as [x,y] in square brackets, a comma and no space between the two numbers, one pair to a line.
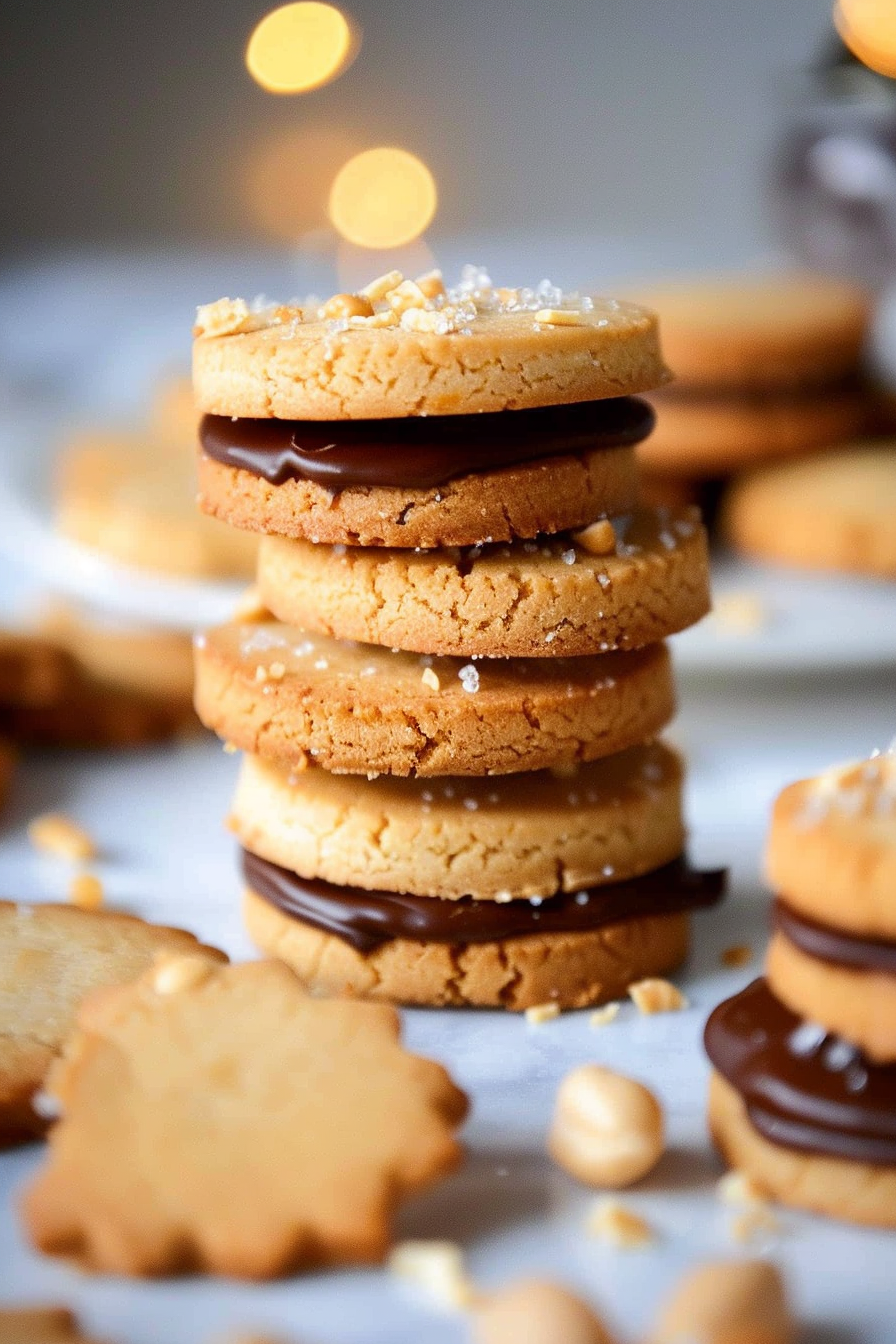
[469,678]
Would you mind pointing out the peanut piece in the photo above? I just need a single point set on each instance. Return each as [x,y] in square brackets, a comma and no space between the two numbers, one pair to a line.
[608,1130]
[56,834]
[345,305]
[657,996]
[560,317]
[542,1012]
[602,1017]
[726,1302]
[430,679]
[536,1311]
[86,891]
[379,288]
[435,1267]
[176,973]
[598,538]
[431,285]
[621,1227]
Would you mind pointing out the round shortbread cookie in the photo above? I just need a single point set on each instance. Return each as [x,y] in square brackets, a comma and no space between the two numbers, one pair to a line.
[765,331]
[133,500]
[573,970]
[834,511]
[510,837]
[488,359]
[154,663]
[291,697]
[859,1005]
[548,495]
[856,1191]
[832,847]
[542,599]
[714,437]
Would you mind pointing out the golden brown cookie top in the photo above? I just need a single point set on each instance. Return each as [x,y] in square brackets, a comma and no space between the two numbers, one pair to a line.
[764,330]
[221,1119]
[832,847]
[403,347]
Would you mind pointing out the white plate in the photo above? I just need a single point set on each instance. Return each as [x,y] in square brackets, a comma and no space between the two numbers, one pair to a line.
[804,623]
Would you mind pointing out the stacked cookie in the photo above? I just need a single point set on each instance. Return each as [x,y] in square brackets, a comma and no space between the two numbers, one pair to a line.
[452,793]
[766,366]
[803,1096]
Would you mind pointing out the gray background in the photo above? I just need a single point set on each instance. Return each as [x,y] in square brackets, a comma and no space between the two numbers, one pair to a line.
[130,121]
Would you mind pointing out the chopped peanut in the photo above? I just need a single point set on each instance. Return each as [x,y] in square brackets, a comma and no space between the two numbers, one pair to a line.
[602,1017]
[345,305]
[177,973]
[657,996]
[379,288]
[86,891]
[431,285]
[739,954]
[597,539]
[435,1267]
[542,1012]
[56,834]
[560,317]
[618,1225]
[430,679]
[226,317]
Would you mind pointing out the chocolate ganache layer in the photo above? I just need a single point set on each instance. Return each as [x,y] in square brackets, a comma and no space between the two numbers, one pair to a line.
[803,1088]
[422,451]
[833,945]
[367,919]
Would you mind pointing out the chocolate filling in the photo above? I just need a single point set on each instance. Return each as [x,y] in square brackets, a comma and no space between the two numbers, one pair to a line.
[367,919]
[803,1088]
[418,452]
[833,945]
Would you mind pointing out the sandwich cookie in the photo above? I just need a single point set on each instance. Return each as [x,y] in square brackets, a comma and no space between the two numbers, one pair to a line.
[618,585]
[295,698]
[574,949]
[832,861]
[802,1111]
[499,839]
[451,480]
[834,511]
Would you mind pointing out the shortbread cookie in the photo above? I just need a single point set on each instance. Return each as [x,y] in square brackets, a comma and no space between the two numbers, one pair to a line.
[173,417]
[760,331]
[135,502]
[361,709]
[553,598]
[39,1325]
[801,1112]
[97,715]
[154,663]
[581,948]
[832,848]
[509,837]
[848,983]
[445,481]
[221,1120]
[712,437]
[835,511]
[50,957]
[460,354]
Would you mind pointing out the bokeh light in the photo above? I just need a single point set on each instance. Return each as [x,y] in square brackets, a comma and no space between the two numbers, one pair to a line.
[285,179]
[868,27]
[300,47]
[382,198]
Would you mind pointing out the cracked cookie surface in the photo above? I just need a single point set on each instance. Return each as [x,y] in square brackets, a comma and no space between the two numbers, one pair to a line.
[297,698]
[510,837]
[542,599]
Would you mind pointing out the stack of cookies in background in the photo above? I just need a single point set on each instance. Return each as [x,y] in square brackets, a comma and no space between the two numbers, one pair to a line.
[450,691]
[766,366]
[803,1098]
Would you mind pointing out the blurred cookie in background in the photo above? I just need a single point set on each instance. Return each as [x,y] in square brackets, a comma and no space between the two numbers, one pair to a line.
[765,366]
[125,495]
[832,511]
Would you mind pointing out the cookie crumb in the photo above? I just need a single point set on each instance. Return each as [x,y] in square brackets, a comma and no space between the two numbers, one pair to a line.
[597,539]
[54,833]
[261,673]
[657,996]
[542,1012]
[739,1189]
[229,748]
[277,671]
[618,1225]
[602,1017]
[430,679]
[739,613]
[753,1224]
[86,891]
[739,954]
[437,1269]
